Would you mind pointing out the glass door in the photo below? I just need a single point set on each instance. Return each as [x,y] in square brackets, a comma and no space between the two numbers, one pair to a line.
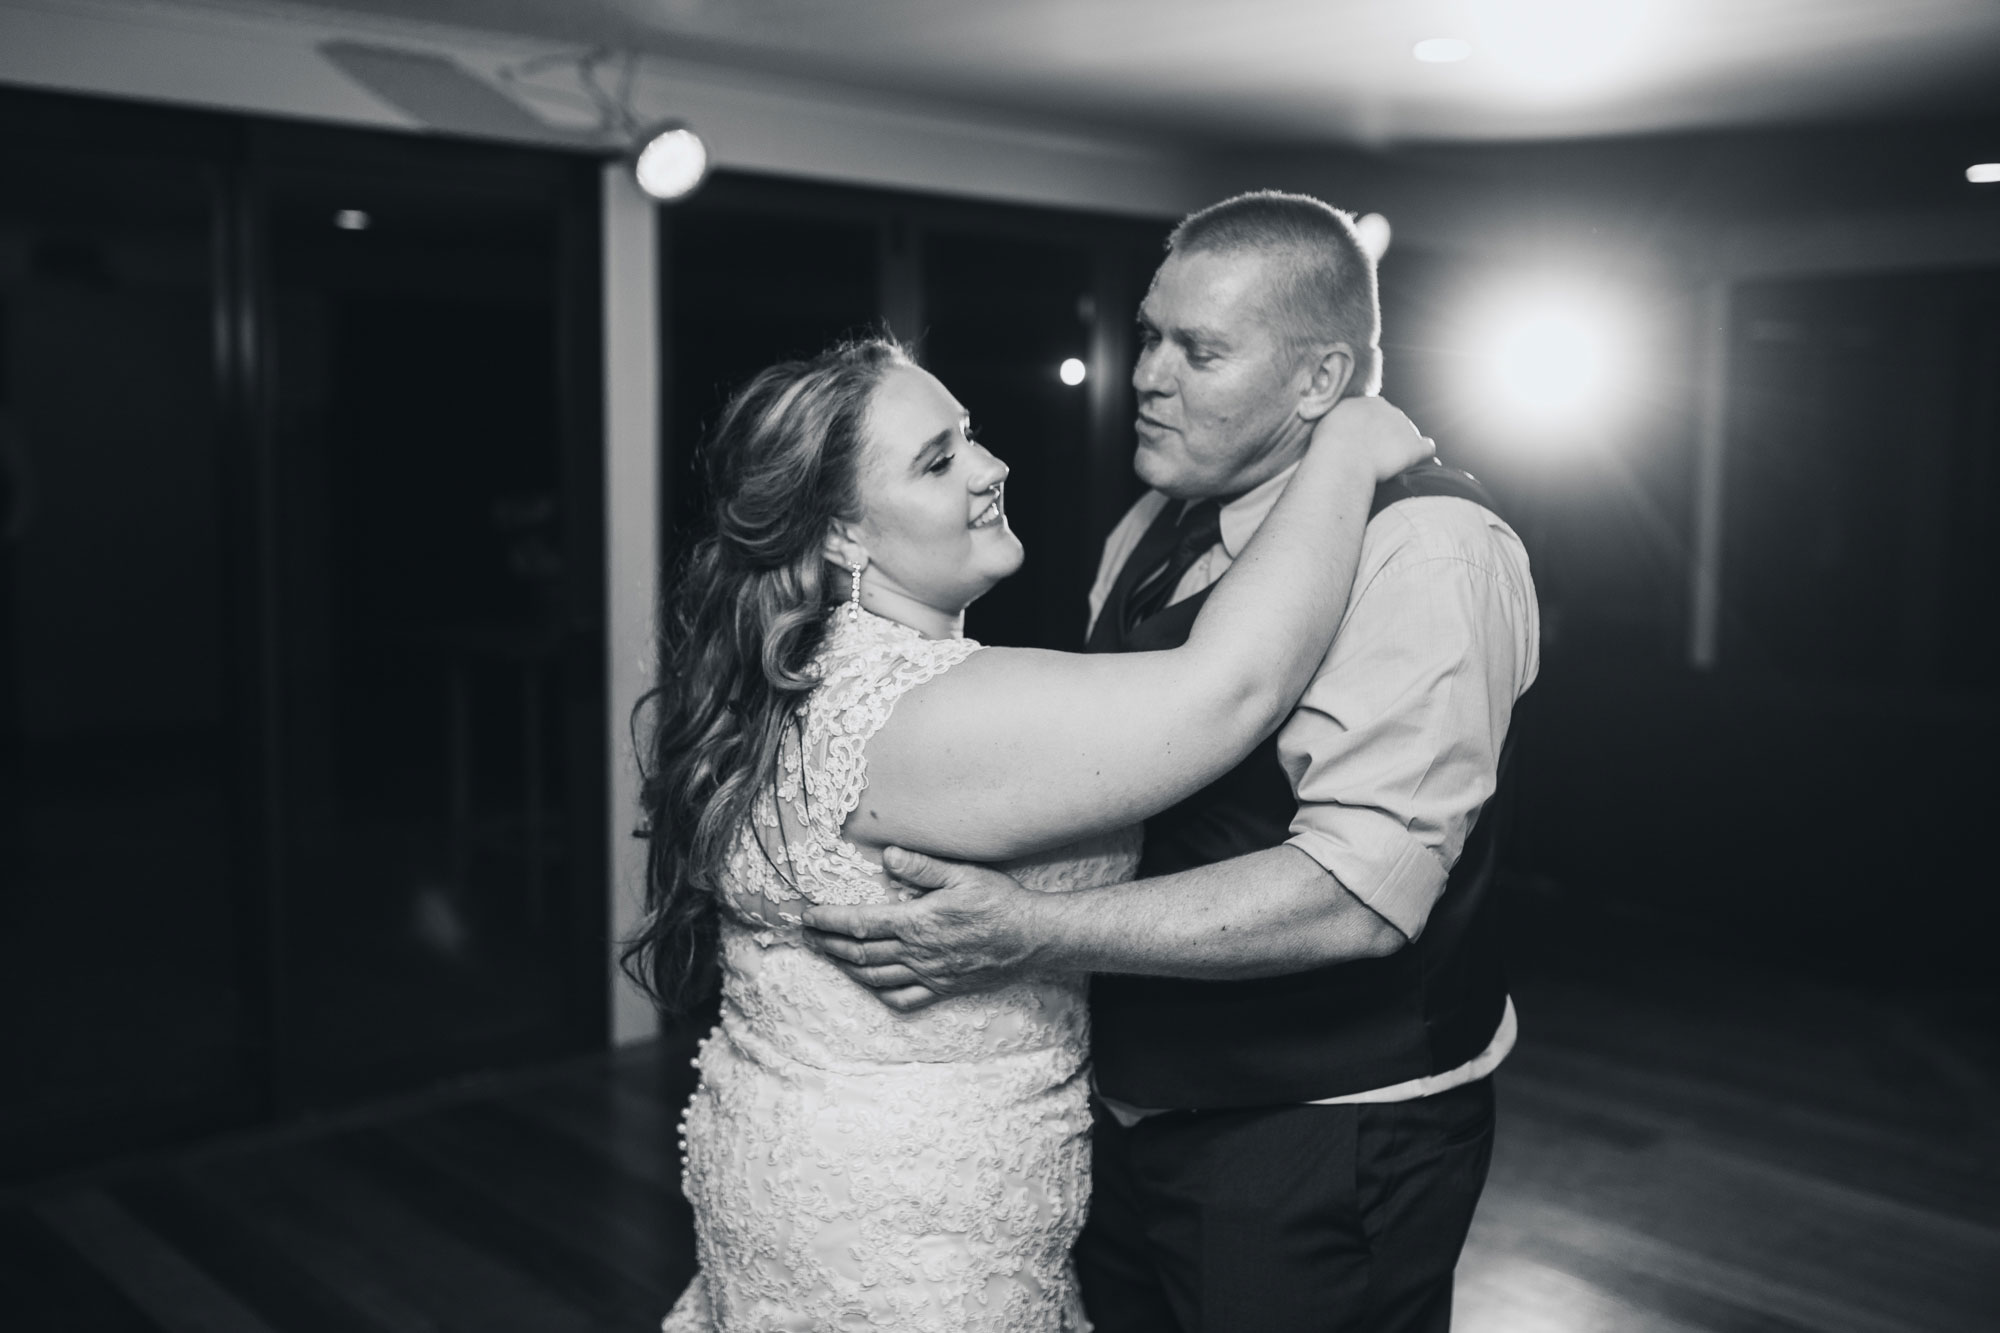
[1004,314]
[438,659]
[129,1013]
[302,755]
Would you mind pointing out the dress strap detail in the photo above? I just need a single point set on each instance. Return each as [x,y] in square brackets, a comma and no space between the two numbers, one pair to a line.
[867,663]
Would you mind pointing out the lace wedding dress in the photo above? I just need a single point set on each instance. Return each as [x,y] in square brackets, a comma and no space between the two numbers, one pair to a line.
[855,1168]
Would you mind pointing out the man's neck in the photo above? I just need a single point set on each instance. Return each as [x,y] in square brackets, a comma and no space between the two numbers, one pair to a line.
[1284,453]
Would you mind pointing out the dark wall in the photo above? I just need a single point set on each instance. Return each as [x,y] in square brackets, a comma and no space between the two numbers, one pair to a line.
[991,298]
[1643,196]
[1804,800]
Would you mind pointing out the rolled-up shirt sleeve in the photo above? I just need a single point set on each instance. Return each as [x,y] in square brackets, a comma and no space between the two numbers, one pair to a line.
[1395,746]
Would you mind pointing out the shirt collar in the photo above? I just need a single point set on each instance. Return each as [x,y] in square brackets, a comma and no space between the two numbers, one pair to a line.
[1242,516]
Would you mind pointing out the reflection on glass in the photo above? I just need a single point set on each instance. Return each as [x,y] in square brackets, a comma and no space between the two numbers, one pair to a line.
[118,947]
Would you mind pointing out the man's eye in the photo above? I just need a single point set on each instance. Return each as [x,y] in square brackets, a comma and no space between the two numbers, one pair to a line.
[942,465]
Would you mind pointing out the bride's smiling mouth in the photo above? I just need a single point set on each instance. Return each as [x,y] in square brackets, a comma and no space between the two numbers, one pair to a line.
[993,513]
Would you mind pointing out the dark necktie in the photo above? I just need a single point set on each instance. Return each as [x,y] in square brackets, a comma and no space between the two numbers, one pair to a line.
[1197,530]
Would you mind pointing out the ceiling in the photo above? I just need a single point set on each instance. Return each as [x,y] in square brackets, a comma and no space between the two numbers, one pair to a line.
[1320,71]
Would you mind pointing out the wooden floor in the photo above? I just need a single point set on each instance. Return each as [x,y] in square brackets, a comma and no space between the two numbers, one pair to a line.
[1678,1151]
[1691,1151]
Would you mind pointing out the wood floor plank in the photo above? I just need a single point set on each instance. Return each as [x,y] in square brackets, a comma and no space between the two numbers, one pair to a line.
[47,1287]
[632,1224]
[1702,1205]
[467,1289]
[244,1256]
[1566,1239]
[1952,1174]
[628,1128]
[1676,1153]
[1886,1116]
[152,1274]
[639,1138]
[518,1239]
[320,1242]
[1500,1290]
[1822,1181]
[1848,1057]
[1513,1286]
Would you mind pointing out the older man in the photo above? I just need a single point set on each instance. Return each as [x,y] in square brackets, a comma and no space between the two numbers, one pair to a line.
[1296,1008]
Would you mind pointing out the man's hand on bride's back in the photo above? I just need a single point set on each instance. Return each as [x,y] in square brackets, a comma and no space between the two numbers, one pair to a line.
[1378,430]
[968,932]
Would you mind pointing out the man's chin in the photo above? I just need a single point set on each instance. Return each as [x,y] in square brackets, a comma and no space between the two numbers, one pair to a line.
[1172,482]
[1154,467]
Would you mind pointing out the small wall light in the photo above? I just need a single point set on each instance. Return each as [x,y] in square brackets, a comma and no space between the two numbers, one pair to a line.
[671,161]
[1372,230]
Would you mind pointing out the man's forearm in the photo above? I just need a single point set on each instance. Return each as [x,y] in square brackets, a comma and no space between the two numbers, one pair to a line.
[1261,915]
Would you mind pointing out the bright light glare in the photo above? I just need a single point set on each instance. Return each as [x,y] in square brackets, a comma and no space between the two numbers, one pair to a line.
[351,219]
[1985,173]
[672,163]
[1555,363]
[1073,371]
[1442,50]
[1554,47]
[1372,229]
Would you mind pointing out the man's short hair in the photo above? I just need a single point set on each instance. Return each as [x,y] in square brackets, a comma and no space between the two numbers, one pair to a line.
[1325,279]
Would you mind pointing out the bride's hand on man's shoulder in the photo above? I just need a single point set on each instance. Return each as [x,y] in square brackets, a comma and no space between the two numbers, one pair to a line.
[1377,429]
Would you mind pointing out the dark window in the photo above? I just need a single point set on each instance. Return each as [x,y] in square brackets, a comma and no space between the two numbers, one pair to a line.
[301,702]
[1861,481]
[119,939]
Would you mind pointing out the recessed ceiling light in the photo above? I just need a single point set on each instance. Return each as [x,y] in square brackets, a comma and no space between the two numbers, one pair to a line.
[1562,48]
[1985,173]
[1442,50]
[351,219]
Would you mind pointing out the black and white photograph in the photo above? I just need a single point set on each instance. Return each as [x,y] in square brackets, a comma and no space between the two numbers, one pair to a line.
[1046,666]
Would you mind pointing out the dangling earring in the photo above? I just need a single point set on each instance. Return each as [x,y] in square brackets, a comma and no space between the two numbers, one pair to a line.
[854,598]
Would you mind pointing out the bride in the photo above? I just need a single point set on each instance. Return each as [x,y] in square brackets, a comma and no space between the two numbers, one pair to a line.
[852,1167]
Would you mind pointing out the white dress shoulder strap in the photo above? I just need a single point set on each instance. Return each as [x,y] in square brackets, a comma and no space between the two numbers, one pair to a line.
[866,665]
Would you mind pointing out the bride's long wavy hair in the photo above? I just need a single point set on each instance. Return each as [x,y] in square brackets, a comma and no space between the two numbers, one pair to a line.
[742,618]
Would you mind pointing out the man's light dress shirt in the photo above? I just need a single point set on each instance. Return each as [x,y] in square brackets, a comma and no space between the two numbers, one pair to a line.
[1393,748]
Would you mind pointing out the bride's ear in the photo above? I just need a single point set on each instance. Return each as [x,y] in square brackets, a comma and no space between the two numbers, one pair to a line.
[841,547]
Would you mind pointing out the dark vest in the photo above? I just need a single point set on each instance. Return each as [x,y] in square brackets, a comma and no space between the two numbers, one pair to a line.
[1429,1007]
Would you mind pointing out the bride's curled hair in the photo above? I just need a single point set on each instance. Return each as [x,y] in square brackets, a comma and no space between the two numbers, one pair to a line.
[742,618]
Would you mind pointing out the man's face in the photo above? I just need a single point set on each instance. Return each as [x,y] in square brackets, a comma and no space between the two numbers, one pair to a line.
[1218,388]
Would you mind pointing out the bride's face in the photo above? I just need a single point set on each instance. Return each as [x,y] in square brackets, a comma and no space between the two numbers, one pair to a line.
[933,518]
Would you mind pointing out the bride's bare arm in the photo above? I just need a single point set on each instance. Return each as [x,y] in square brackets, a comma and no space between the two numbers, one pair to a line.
[1017,749]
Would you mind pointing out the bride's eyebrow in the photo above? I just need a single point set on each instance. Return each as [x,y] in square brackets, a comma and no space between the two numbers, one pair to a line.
[932,447]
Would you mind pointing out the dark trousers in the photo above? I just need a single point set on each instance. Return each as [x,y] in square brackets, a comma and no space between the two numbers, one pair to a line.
[1335,1219]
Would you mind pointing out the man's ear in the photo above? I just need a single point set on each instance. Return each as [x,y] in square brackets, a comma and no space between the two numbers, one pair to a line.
[1326,383]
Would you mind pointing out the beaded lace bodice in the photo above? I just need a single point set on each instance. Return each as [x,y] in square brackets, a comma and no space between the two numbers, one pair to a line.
[794,846]
[850,1166]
